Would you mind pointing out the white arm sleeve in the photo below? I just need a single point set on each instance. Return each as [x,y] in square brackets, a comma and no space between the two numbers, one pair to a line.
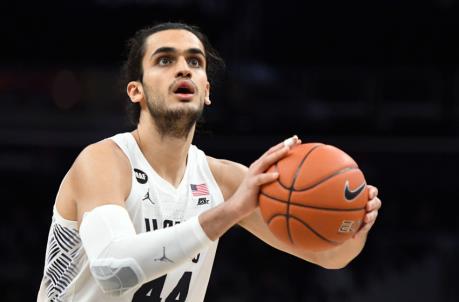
[120,259]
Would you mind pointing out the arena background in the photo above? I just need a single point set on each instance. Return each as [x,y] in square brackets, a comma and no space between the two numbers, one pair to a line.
[378,79]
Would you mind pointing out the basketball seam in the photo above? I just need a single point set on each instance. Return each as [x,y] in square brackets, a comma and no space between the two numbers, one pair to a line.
[312,207]
[301,163]
[307,226]
[295,176]
[343,170]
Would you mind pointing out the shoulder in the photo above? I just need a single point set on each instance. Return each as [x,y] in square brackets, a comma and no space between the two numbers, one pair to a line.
[100,175]
[228,174]
[102,157]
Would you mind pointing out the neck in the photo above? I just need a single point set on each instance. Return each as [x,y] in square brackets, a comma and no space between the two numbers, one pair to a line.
[167,155]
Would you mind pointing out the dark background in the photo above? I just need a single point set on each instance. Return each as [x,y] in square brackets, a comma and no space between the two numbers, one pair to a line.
[379,79]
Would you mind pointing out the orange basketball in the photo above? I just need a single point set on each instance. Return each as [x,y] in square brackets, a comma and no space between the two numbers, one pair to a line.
[319,199]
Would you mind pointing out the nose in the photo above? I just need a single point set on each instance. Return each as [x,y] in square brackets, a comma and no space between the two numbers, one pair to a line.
[183,69]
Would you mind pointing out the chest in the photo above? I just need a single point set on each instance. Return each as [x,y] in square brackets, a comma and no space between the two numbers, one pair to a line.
[154,207]
[175,206]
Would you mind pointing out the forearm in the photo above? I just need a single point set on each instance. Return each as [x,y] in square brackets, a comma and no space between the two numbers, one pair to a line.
[218,220]
[341,255]
[120,259]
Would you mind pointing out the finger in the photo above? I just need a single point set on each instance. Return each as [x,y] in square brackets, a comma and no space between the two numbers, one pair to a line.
[274,154]
[370,217]
[372,192]
[263,163]
[373,205]
[364,229]
[265,178]
[291,141]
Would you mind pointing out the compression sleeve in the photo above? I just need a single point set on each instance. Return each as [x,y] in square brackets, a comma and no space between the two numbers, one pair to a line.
[120,259]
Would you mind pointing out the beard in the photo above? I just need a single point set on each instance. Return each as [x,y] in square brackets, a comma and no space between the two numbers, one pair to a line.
[175,123]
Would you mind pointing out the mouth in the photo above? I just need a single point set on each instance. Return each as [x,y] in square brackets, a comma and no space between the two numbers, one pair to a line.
[184,89]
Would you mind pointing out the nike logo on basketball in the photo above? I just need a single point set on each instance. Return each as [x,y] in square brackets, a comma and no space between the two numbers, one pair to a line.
[352,194]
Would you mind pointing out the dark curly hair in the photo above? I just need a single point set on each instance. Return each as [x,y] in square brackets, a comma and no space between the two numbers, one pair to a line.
[132,68]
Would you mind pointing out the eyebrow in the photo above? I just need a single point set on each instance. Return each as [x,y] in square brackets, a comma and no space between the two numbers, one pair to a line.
[174,50]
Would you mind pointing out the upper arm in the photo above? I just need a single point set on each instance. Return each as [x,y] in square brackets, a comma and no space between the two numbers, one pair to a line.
[100,175]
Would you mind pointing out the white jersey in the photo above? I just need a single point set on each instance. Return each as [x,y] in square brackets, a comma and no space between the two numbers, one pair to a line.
[153,203]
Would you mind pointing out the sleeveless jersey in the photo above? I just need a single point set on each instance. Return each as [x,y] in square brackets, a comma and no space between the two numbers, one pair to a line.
[153,204]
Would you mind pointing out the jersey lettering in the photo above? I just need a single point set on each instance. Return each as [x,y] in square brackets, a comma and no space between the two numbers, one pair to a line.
[180,292]
[151,291]
[153,226]
[167,223]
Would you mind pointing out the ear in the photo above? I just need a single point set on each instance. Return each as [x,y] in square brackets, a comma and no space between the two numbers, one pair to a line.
[207,98]
[135,91]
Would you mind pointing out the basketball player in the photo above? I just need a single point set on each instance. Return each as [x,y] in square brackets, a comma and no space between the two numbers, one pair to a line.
[138,215]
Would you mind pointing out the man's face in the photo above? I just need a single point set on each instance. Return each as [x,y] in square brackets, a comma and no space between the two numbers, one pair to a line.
[174,80]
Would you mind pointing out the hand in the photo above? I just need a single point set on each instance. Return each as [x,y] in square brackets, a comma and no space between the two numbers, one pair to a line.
[245,199]
[371,208]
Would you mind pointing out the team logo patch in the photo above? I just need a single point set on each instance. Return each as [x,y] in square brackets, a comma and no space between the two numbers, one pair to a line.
[202,201]
[141,176]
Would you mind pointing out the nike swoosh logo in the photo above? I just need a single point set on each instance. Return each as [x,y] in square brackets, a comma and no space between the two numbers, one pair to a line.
[352,194]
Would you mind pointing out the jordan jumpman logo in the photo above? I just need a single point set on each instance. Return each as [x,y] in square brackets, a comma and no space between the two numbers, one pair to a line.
[147,196]
[164,258]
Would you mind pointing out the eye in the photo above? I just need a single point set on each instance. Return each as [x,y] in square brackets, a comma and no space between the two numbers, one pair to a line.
[164,61]
[194,62]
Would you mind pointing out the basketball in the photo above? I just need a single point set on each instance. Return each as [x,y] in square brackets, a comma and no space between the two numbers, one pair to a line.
[318,201]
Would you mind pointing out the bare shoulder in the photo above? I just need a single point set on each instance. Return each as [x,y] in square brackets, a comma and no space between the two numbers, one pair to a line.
[99,175]
[100,160]
[227,173]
